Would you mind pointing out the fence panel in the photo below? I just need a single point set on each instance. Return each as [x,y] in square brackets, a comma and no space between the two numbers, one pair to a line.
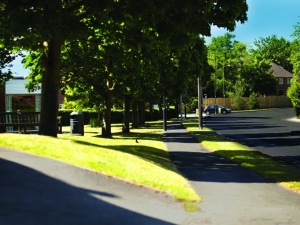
[265,102]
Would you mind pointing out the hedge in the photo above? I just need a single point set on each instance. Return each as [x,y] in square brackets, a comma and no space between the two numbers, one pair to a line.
[116,116]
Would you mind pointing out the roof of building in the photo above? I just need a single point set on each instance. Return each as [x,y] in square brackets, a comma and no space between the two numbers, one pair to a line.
[278,71]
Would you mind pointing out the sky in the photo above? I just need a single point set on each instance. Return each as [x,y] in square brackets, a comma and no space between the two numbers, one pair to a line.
[265,18]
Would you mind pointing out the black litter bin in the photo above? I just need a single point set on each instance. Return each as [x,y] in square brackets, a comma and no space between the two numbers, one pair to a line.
[76,123]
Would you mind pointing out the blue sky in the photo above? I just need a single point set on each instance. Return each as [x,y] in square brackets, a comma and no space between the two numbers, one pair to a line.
[265,18]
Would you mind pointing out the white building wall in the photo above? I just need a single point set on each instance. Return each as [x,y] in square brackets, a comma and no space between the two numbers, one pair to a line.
[17,87]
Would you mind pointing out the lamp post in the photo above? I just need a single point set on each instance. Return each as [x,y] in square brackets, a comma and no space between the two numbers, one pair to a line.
[224,97]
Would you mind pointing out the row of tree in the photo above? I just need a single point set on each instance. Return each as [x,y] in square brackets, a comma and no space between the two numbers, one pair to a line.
[111,50]
[237,70]
[231,61]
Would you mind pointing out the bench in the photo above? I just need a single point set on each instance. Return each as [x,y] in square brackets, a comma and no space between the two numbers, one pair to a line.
[23,120]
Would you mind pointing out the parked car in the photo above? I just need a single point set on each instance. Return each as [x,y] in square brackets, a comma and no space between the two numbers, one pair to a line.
[210,109]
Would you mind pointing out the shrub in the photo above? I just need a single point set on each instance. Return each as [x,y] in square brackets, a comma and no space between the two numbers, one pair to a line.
[192,104]
[94,122]
[253,101]
[239,102]
[293,93]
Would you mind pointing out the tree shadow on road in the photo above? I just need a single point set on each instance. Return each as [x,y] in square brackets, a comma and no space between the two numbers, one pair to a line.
[28,196]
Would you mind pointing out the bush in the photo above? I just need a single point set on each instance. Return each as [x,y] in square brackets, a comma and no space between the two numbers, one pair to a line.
[239,103]
[90,117]
[192,104]
[293,93]
[253,101]
[94,122]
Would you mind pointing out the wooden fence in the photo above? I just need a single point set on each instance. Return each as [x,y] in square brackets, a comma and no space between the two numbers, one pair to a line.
[265,102]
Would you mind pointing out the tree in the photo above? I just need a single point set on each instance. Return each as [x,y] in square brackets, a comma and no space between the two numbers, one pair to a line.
[228,56]
[235,62]
[257,78]
[294,94]
[274,49]
[295,53]
[294,90]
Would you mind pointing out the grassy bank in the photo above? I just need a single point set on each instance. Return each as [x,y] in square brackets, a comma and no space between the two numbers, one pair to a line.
[245,156]
[145,163]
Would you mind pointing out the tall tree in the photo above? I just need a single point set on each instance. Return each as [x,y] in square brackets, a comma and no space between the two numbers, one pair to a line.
[275,49]
[257,78]
[295,53]
[294,90]
[225,55]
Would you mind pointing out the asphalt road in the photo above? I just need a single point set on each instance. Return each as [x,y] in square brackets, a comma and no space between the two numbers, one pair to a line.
[275,132]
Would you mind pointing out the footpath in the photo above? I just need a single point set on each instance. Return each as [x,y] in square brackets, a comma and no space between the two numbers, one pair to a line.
[36,190]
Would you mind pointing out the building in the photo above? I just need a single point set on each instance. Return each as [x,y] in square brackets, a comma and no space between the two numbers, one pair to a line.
[14,96]
[17,96]
[283,78]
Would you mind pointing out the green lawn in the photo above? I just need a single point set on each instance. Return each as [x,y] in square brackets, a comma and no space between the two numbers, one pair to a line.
[145,163]
[245,156]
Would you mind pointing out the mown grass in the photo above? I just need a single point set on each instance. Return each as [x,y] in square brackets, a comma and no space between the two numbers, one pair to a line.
[145,163]
[245,156]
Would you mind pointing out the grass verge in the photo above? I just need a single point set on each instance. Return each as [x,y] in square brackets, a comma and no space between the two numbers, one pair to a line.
[245,156]
[145,163]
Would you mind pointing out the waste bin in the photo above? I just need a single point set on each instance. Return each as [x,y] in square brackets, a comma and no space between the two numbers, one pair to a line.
[76,123]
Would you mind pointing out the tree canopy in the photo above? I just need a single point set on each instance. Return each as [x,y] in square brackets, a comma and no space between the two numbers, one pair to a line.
[105,31]
[275,49]
[233,61]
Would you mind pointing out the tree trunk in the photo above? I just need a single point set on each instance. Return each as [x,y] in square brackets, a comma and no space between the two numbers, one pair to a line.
[160,109]
[51,74]
[141,112]
[135,123]
[177,109]
[150,111]
[126,114]
[106,129]
[98,116]
[50,87]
